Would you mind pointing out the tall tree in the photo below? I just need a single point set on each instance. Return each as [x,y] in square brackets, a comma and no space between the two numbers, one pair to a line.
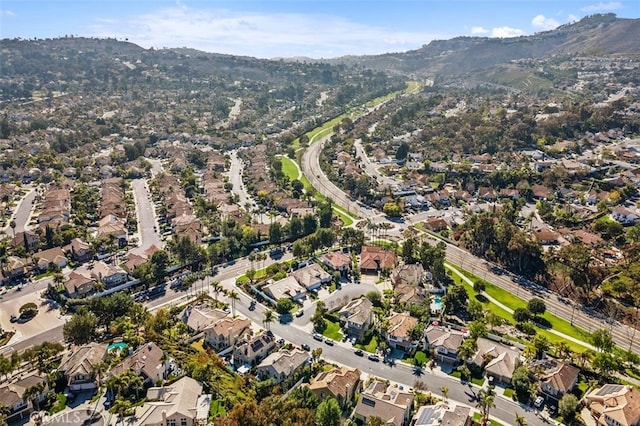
[328,413]
[268,318]
[80,328]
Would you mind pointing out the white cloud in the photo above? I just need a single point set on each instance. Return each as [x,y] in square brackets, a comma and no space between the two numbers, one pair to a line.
[263,35]
[506,32]
[572,18]
[6,13]
[602,7]
[541,22]
[479,30]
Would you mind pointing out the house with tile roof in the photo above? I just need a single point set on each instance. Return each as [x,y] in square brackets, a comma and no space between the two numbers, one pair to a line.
[356,317]
[79,250]
[312,276]
[497,360]
[444,341]
[374,259]
[78,284]
[615,405]
[442,413]
[225,332]
[252,350]
[282,366]
[201,317]
[109,275]
[341,383]
[52,256]
[287,287]
[146,361]
[13,394]
[398,335]
[556,377]
[181,403]
[337,261]
[77,365]
[389,403]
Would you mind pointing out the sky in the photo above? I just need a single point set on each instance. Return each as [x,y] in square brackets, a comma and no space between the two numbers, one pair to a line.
[294,28]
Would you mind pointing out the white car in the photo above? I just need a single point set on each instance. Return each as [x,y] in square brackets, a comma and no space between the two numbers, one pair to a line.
[538,402]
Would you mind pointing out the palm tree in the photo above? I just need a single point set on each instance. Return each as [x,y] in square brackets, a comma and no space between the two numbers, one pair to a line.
[234,296]
[32,394]
[97,369]
[563,351]
[486,397]
[521,420]
[268,318]
[445,392]
[466,350]
[13,225]
[217,288]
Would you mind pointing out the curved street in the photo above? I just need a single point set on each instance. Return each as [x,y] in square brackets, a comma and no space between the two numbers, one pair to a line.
[623,335]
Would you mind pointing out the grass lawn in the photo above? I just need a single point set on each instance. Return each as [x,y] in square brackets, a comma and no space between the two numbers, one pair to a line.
[477,380]
[60,404]
[370,346]
[343,216]
[512,301]
[333,330]
[477,416]
[582,386]
[289,168]
[421,358]
[318,132]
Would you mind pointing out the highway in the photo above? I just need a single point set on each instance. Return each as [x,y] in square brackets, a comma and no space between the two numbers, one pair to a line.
[623,335]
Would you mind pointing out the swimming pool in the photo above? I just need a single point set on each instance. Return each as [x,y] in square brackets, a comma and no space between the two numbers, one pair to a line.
[120,346]
[436,304]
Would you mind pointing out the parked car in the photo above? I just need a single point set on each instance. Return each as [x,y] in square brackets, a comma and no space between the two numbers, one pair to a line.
[318,337]
[359,352]
[306,347]
[538,402]
[374,358]
[299,313]
[328,341]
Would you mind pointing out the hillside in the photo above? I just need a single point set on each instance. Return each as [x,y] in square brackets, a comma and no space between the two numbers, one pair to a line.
[593,35]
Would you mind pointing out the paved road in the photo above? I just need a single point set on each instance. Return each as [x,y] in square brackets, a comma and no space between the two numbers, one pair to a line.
[623,335]
[147,225]
[22,213]
[244,198]
[311,168]
[343,354]
[369,167]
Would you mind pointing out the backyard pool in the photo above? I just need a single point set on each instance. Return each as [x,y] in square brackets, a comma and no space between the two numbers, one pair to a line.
[120,346]
[436,304]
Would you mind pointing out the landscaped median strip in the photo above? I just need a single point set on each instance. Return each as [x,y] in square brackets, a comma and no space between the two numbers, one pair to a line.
[509,310]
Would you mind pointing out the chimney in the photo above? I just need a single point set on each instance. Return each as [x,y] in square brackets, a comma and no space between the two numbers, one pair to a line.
[164,417]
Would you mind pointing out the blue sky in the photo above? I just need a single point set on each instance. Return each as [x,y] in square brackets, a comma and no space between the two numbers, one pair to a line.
[285,28]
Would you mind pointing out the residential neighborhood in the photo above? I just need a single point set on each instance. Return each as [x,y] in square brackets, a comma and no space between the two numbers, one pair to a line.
[189,238]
